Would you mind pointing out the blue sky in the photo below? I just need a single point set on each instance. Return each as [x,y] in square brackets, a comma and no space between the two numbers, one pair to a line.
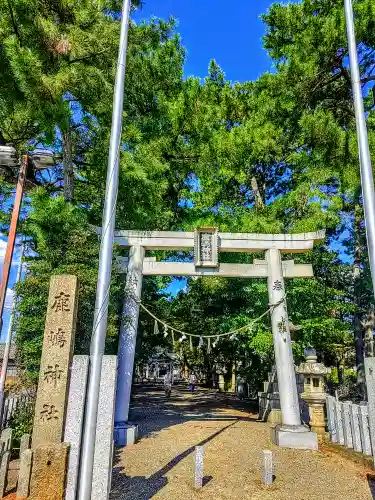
[214,29]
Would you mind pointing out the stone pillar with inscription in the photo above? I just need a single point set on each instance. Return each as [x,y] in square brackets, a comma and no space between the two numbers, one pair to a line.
[291,433]
[124,432]
[53,387]
[58,345]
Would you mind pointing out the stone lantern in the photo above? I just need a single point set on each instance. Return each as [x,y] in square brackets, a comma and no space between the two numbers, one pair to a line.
[314,389]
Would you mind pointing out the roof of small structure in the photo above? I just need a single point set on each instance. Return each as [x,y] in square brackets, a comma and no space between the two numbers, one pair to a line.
[162,355]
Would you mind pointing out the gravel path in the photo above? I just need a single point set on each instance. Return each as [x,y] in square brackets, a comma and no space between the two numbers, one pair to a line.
[160,465]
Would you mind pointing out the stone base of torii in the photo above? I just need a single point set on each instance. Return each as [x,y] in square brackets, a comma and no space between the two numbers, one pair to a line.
[207,242]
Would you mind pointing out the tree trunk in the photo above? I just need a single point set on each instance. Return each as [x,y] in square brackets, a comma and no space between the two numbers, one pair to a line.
[67,150]
[340,372]
[357,324]
[259,203]
[369,335]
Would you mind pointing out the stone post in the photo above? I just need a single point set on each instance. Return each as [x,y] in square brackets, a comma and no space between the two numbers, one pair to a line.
[4,466]
[74,421]
[348,437]
[339,422]
[291,433]
[370,385]
[365,429]
[127,341]
[199,456]
[25,443]
[282,342]
[356,431]
[268,467]
[221,382]
[233,383]
[24,474]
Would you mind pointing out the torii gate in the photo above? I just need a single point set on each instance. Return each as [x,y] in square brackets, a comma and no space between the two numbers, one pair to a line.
[207,242]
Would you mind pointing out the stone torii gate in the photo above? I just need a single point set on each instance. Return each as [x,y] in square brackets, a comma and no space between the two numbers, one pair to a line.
[207,242]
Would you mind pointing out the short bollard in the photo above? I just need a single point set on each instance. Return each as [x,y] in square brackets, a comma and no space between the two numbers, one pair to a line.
[268,467]
[199,466]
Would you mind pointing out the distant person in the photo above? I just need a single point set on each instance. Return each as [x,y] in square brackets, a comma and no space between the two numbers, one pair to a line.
[192,382]
[168,384]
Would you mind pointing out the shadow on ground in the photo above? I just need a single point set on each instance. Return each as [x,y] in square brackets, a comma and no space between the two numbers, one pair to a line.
[152,412]
[371,484]
[143,488]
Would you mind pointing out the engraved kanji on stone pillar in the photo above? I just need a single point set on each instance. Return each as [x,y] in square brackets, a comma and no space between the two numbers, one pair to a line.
[286,376]
[57,353]
[206,247]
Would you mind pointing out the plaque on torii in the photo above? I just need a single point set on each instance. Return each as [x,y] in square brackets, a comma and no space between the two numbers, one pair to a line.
[206,247]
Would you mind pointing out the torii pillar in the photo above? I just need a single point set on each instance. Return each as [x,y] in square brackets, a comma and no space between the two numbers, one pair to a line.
[291,433]
[125,432]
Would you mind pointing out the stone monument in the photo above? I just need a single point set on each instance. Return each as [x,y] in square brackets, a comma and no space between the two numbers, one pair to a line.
[57,353]
[49,472]
[50,454]
[269,398]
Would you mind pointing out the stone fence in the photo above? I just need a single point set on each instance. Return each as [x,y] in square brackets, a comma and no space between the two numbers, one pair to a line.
[11,403]
[348,425]
[269,399]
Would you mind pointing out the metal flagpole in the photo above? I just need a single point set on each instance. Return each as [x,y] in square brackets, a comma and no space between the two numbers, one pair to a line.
[8,342]
[367,180]
[105,267]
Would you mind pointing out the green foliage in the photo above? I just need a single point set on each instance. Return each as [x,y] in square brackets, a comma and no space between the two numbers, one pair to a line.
[318,311]
[21,421]
[348,374]
[64,244]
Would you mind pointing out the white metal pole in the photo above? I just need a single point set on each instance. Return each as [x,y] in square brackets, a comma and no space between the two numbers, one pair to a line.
[105,268]
[8,341]
[367,180]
